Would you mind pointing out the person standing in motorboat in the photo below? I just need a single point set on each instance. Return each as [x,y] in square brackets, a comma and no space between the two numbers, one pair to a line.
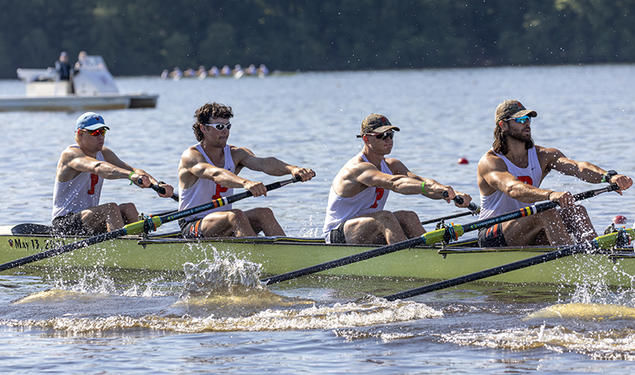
[63,67]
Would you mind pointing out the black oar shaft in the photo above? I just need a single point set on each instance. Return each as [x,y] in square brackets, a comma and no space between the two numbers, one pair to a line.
[343,261]
[563,252]
[446,217]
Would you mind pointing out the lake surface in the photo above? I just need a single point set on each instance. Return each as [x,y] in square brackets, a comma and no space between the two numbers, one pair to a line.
[109,324]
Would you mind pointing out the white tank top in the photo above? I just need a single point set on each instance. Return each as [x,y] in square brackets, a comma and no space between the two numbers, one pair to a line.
[204,190]
[78,194]
[339,209]
[498,202]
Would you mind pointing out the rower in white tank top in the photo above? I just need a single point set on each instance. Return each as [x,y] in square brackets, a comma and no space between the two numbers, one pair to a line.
[339,209]
[78,194]
[204,190]
[498,202]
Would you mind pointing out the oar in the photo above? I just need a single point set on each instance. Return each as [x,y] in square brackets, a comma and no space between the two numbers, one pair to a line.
[146,225]
[602,242]
[440,235]
[473,210]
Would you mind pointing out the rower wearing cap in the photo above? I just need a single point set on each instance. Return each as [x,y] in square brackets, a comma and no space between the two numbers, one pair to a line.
[80,174]
[355,211]
[509,177]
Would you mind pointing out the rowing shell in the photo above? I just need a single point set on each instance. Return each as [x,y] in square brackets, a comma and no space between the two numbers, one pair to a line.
[282,254]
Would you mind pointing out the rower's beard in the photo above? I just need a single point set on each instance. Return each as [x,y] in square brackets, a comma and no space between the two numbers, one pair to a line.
[520,137]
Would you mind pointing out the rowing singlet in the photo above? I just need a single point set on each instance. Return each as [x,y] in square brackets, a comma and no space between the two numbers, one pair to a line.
[498,202]
[78,194]
[204,190]
[339,209]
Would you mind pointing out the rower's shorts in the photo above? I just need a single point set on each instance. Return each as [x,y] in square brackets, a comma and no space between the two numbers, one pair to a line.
[337,235]
[491,237]
[190,229]
[70,224]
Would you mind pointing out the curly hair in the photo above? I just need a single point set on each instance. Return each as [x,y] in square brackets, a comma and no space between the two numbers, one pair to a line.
[207,112]
[500,145]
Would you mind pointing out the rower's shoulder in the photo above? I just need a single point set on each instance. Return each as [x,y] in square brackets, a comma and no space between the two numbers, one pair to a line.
[490,161]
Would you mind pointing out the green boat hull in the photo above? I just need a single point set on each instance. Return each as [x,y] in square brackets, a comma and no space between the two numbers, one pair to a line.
[280,255]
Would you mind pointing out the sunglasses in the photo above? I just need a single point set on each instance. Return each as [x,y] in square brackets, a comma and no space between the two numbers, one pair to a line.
[521,120]
[220,126]
[96,132]
[383,136]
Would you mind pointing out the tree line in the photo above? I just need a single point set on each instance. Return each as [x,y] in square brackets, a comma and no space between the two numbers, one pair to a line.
[142,37]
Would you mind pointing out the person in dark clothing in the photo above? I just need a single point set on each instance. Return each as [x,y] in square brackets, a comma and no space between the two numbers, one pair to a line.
[63,67]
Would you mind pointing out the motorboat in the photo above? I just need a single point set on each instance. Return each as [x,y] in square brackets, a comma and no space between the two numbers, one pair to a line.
[91,88]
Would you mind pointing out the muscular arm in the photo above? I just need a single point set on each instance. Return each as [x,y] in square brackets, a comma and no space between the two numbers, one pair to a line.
[193,165]
[76,160]
[493,175]
[585,171]
[406,180]
[269,165]
[555,159]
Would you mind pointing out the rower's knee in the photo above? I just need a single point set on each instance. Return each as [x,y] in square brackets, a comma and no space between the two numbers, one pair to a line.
[406,216]
[263,213]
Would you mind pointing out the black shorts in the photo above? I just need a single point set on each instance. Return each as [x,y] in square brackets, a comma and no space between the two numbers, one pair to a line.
[190,229]
[70,224]
[492,236]
[337,235]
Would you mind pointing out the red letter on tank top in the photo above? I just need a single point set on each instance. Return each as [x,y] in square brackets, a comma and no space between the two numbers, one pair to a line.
[94,179]
[526,179]
[379,193]
[219,189]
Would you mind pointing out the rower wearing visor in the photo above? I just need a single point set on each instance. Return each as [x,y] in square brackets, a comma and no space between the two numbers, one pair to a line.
[355,210]
[210,170]
[81,171]
[509,177]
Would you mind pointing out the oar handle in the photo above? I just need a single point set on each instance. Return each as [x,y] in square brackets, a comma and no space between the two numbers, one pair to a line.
[161,190]
[158,189]
[459,200]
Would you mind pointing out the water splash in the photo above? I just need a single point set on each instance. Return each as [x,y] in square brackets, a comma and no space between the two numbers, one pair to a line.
[369,312]
[602,344]
[223,274]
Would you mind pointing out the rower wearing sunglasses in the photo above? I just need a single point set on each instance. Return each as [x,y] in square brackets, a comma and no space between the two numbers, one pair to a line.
[509,177]
[209,170]
[355,210]
[80,174]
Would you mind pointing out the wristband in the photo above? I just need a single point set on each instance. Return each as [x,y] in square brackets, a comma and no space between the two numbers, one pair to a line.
[130,177]
[423,187]
[608,175]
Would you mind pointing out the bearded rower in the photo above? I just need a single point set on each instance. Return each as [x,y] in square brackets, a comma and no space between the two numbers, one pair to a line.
[509,177]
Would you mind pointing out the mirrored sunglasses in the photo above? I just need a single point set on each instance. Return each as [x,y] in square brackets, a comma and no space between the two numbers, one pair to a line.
[96,132]
[522,120]
[220,126]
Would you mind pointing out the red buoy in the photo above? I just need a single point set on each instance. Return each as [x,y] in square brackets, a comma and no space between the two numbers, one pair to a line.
[620,219]
[463,161]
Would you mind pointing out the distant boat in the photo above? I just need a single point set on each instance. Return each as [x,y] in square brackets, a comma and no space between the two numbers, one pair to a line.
[92,88]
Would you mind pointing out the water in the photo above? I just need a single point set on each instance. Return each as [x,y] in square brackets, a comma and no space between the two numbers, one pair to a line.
[96,322]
